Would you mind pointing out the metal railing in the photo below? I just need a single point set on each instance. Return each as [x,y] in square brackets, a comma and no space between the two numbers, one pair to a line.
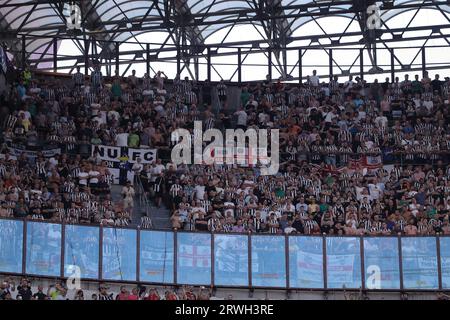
[144,202]
[267,261]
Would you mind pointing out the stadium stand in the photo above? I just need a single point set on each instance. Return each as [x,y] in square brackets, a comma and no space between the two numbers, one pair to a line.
[357,158]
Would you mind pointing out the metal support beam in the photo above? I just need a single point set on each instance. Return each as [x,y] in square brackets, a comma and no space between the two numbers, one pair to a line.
[55,55]
[147,59]
[63,249]
[400,260]
[363,268]
[239,65]
[196,68]
[249,252]
[208,72]
[392,65]
[324,262]
[24,247]
[424,62]
[438,257]
[269,64]
[361,64]
[24,53]
[138,254]
[86,57]
[330,54]
[212,261]
[286,255]
[100,253]
[179,61]
[300,66]
[117,57]
[175,256]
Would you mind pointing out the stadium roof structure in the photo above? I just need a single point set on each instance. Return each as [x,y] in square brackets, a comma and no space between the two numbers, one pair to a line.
[226,39]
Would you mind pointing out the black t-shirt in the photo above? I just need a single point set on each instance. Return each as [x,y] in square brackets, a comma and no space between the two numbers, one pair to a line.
[436,84]
[3,294]
[201,226]
[297,224]
[217,203]
[25,292]
[209,188]
[47,211]
[67,203]
[63,171]
[40,296]
[206,90]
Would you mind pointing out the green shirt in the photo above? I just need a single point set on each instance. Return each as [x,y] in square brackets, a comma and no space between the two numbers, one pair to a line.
[116,90]
[431,212]
[329,181]
[416,86]
[323,207]
[26,77]
[96,141]
[279,193]
[133,140]
[244,98]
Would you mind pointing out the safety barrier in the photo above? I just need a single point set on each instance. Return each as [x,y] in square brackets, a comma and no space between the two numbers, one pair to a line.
[44,249]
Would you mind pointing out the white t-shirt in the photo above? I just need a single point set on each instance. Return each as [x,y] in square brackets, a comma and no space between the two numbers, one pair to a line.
[300,205]
[359,191]
[417,102]
[159,168]
[374,191]
[128,192]
[93,176]
[381,121]
[83,178]
[414,208]
[262,117]
[137,167]
[348,85]
[199,192]
[288,230]
[122,140]
[314,80]
[428,105]
[113,115]
[242,118]
[330,116]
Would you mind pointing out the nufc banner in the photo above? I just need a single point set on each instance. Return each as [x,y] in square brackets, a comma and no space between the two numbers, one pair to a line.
[118,159]
[124,154]
[121,159]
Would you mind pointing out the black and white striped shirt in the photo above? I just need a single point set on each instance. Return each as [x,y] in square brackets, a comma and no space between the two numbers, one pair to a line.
[96,78]
[190,97]
[221,90]
[10,121]
[78,78]
[175,190]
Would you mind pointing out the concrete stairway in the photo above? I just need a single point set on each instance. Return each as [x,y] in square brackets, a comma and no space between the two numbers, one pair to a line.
[160,216]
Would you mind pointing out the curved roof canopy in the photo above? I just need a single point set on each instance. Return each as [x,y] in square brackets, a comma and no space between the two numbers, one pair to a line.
[196,22]
[119,20]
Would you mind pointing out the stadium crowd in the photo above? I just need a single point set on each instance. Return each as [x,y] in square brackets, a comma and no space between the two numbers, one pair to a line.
[9,290]
[325,128]
[24,290]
